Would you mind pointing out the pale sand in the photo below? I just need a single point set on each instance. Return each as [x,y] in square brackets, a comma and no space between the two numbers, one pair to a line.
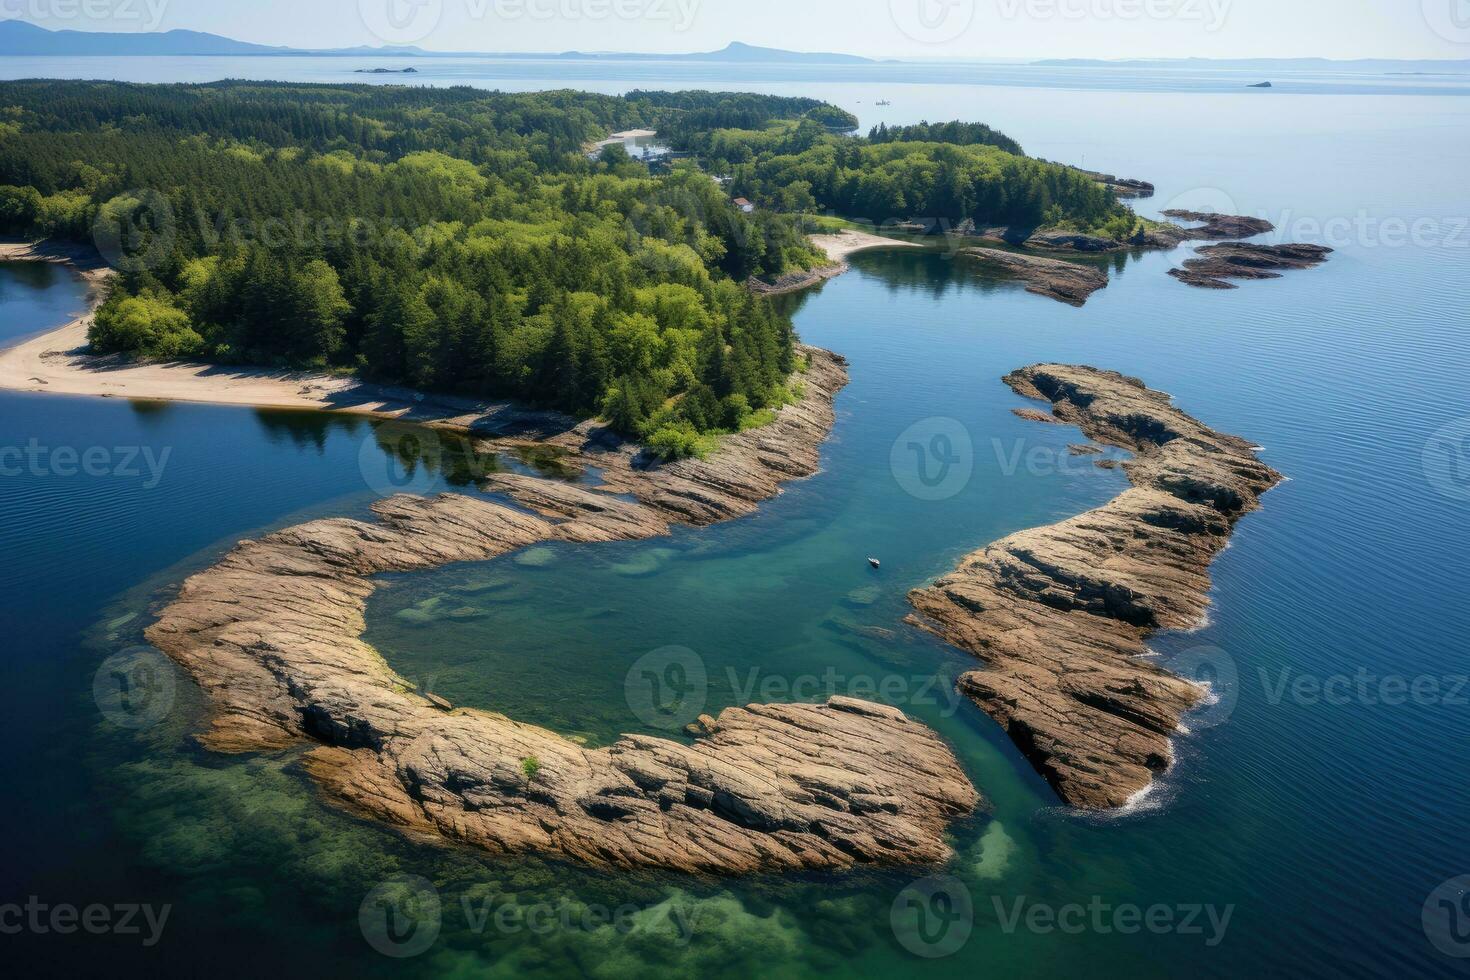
[58,363]
[839,246]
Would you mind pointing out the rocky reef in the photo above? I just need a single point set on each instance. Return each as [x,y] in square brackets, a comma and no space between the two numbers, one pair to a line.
[1208,226]
[1241,260]
[1203,226]
[273,635]
[1069,282]
[1060,614]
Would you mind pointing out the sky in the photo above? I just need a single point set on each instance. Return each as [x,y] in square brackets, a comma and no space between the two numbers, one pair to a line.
[969,29]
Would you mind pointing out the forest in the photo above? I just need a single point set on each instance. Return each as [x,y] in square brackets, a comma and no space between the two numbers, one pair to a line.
[465,241]
[956,175]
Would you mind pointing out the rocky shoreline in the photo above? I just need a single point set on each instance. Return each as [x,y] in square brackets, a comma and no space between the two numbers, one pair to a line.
[1061,614]
[1072,282]
[272,634]
[796,281]
[1068,282]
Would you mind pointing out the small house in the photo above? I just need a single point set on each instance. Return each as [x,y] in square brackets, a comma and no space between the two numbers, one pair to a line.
[745,206]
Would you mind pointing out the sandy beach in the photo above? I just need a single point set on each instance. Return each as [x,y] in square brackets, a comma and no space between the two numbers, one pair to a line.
[847,242]
[58,363]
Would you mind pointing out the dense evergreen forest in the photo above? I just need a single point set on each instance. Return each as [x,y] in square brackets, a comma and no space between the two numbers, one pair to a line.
[957,175]
[463,240]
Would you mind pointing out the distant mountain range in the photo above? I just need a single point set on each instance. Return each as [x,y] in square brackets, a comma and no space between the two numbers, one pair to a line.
[21,39]
[18,38]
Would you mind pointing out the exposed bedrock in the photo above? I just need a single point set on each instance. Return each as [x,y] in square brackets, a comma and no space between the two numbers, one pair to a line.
[1069,282]
[1061,613]
[273,635]
[1218,264]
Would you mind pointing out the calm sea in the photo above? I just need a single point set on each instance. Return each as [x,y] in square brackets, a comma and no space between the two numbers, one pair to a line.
[1315,810]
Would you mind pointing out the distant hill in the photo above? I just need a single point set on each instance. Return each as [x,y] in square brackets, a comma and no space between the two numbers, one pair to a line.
[750,53]
[18,38]
[1373,65]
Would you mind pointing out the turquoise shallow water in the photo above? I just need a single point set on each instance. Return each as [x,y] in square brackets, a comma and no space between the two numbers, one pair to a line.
[1322,823]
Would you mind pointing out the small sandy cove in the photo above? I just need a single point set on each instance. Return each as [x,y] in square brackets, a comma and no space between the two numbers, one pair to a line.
[58,362]
[844,243]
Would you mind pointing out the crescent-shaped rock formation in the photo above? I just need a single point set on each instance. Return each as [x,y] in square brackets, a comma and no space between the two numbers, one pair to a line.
[273,635]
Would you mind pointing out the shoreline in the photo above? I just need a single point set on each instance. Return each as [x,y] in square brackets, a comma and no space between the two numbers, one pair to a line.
[56,361]
[696,492]
[1061,613]
[838,246]
[272,633]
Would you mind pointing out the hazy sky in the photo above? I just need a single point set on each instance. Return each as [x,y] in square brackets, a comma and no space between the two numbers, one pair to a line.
[901,28]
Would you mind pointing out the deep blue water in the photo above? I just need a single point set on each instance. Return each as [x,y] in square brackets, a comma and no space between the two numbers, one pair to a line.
[1322,823]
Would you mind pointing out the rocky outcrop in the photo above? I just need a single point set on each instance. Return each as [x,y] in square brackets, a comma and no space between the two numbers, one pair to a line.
[1068,282]
[1241,260]
[1071,241]
[1207,226]
[1122,186]
[1061,613]
[272,633]
[794,281]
